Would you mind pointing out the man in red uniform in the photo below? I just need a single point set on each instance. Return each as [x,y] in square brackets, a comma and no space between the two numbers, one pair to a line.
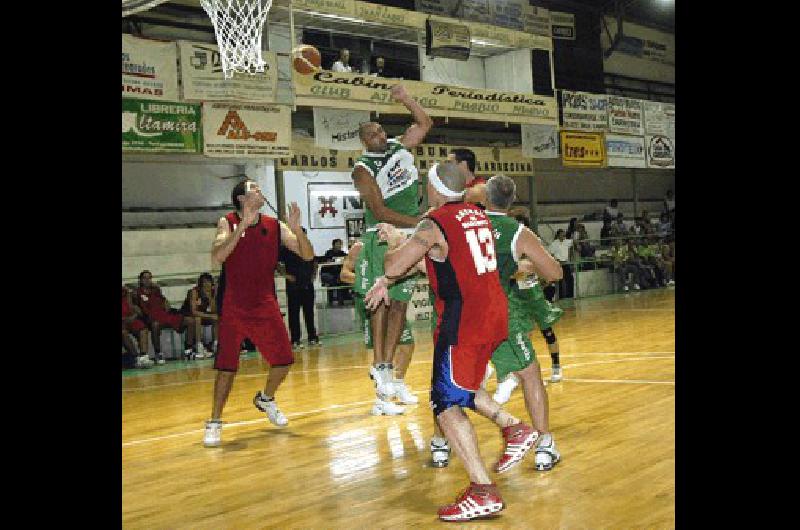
[132,323]
[160,315]
[475,191]
[457,243]
[247,245]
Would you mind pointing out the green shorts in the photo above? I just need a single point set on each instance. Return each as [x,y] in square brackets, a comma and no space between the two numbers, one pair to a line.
[536,306]
[369,267]
[363,319]
[515,353]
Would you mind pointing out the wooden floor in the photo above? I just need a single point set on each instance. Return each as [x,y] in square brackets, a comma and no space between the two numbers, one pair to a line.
[336,466]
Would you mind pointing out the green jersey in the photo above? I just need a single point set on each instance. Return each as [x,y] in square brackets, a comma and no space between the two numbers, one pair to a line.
[396,176]
[506,230]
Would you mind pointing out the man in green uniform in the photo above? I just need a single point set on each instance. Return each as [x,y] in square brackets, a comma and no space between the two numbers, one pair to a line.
[386,178]
[406,347]
[516,354]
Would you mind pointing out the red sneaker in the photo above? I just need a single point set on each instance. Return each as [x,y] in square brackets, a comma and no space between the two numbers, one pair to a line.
[519,440]
[478,500]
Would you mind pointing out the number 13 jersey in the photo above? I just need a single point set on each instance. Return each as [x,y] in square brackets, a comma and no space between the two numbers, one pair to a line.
[470,302]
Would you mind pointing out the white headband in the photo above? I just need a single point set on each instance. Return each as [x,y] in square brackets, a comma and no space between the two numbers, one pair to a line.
[433,177]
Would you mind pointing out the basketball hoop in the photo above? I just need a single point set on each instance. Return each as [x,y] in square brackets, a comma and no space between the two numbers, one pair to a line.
[239,25]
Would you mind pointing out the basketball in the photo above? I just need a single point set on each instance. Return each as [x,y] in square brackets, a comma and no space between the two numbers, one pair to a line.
[306,59]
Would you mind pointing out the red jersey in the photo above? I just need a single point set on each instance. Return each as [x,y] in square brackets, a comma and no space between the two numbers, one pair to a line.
[471,304]
[247,281]
[126,307]
[151,302]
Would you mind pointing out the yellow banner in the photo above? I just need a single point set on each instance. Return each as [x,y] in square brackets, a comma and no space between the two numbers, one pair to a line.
[489,160]
[359,92]
[392,16]
[582,149]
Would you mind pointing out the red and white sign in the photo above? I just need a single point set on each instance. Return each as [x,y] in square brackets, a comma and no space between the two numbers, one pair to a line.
[246,130]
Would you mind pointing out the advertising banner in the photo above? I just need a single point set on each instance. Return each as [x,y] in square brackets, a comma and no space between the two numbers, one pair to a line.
[625,151]
[539,141]
[582,149]
[160,126]
[659,118]
[329,201]
[563,25]
[149,69]
[246,130]
[660,151]
[360,92]
[338,129]
[625,115]
[582,111]
[202,78]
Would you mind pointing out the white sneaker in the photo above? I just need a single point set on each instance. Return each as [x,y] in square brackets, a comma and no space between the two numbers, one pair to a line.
[487,375]
[636,287]
[440,454]
[274,414]
[671,282]
[403,394]
[546,454]
[626,288]
[143,361]
[386,408]
[201,351]
[504,389]
[384,385]
[556,376]
[213,434]
[160,360]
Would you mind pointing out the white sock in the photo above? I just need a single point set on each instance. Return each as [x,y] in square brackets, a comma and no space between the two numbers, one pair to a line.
[438,441]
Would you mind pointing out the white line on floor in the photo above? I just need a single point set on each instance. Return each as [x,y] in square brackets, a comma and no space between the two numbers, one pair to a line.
[358,403]
[365,367]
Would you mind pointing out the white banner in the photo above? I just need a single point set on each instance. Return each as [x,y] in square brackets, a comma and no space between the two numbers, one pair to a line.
[149,69]
[660,151]
[625,115]
[583,111]
[329,201]
[625,151]
[539,141]
[659,118]
[203,80]
[246,130]
[338,129]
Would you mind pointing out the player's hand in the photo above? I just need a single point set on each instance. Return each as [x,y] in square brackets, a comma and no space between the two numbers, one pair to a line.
[379,293]
[293,215]
[390,234]
[399,92]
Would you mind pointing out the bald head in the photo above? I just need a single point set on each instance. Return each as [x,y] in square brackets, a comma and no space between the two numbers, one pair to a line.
[500,192]
[373,136]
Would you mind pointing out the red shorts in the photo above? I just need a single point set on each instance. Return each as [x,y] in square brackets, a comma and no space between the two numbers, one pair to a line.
[170,320]
[266,330]
[134,326]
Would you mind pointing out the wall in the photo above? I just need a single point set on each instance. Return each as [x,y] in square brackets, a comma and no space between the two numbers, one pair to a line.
[645,54]
[470,73]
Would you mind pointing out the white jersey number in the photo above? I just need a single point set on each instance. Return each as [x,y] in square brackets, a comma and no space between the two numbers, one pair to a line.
[484,261]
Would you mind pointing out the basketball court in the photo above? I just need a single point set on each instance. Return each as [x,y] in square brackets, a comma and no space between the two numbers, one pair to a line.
[336,466]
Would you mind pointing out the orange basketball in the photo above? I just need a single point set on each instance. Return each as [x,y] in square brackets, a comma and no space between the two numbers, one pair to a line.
[306,59]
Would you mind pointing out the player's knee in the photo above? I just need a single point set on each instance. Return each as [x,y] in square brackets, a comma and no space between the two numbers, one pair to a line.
[549,336]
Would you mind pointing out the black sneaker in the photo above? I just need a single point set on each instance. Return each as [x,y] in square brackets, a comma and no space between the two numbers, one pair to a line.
[314,342]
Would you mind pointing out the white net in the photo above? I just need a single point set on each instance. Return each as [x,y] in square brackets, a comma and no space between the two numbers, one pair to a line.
[239,26]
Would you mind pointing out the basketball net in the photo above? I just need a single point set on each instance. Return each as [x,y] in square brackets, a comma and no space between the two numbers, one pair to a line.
[239,25]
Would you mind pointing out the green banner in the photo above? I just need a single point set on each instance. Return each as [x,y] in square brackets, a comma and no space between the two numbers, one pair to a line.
[161,126]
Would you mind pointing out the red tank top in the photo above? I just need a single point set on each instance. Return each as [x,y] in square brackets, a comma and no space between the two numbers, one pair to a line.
[471,304]
[151,302]
[126,308]
[248,274]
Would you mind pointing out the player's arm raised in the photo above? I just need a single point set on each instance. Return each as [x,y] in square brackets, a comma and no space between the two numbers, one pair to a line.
[371,194]
[292,235]
[404,253]
[422,122]
[529,246]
